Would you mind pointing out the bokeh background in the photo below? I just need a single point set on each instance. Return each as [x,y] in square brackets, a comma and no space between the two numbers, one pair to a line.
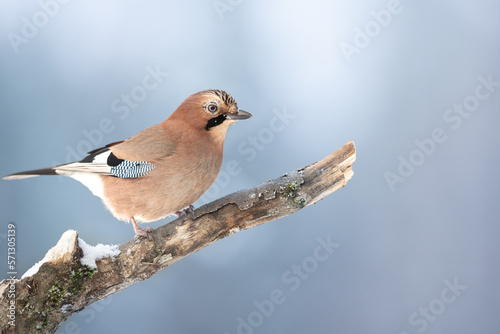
[385,74]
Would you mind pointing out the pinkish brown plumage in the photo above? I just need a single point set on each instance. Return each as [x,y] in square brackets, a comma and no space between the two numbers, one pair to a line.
[163,169]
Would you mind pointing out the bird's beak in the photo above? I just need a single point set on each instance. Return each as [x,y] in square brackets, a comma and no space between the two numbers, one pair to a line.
[240,115]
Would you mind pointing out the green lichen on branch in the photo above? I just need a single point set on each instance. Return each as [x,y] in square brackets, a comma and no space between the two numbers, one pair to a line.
[71,286]
[78,276]
[290,191]
[83,272]
[56,293]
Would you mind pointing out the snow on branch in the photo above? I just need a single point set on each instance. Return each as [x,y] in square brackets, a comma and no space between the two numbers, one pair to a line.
[73,274]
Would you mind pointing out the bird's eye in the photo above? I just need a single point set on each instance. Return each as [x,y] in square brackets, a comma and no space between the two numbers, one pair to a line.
[212,108]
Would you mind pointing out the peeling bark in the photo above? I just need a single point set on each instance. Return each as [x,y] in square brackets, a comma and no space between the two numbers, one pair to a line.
[62,286]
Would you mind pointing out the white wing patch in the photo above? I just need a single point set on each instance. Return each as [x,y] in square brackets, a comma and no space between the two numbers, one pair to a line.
[98,165]
[84,167]
[102,158]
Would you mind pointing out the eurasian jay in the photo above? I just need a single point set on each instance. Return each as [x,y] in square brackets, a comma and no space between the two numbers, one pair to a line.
[162,170]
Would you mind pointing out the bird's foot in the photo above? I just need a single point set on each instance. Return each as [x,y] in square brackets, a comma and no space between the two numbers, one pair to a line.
[184,212]
[142,232]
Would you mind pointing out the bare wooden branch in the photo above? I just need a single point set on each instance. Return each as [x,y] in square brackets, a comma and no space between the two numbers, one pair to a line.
[62,286]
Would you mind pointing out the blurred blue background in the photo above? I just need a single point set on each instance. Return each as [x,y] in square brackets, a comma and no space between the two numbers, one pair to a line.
[415,84]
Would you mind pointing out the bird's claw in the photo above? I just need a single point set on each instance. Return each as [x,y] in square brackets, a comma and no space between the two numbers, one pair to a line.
[144,233]
[184,212]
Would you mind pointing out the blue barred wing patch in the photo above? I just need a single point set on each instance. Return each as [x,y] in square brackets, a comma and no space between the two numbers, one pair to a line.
[132,169]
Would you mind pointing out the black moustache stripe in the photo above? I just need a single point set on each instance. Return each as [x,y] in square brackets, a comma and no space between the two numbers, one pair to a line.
[215,121]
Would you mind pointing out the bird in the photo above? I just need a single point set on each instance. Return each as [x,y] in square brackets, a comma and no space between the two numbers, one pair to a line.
[161,170]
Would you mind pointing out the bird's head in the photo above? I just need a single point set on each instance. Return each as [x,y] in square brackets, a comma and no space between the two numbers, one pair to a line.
[210,110]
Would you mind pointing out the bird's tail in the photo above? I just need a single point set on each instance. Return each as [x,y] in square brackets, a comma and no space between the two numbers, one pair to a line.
[31,173]
[65,170]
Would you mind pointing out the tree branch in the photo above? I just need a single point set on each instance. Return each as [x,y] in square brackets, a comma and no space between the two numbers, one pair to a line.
[63,286]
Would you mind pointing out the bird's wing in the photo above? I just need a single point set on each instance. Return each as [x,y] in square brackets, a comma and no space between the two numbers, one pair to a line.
[102,149]
[103,161]
[148,145]
[131,158]
[100,161]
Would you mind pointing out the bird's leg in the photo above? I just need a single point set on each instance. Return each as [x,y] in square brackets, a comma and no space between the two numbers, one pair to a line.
[183,212]
[142,232]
